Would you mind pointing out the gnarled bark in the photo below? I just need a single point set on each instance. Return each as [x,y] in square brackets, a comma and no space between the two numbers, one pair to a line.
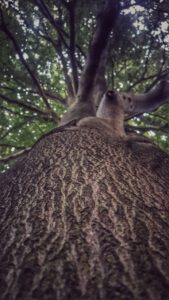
[85,217]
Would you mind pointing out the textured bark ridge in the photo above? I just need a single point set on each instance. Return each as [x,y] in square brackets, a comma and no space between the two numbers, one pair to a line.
[83,217]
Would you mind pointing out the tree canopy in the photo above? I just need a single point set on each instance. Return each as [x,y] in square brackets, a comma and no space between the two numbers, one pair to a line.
[44,45]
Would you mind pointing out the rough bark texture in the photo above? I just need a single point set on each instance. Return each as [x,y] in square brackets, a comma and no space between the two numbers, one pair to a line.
[83,217]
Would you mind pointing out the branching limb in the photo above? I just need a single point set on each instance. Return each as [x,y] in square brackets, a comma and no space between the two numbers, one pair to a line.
[58,47]
[5,29]
[51,95]
[47,14]
[161,76]
[71,9]
[84,105]
[105,23]
[65,70]
[26,106]
[152,100]
[2,107]
[100,85]
[157,76]
[14,155]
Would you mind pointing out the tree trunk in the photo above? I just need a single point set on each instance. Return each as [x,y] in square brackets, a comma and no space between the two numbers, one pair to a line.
[84,217]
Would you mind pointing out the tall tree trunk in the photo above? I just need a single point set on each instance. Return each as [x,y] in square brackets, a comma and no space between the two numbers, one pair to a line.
[84,217]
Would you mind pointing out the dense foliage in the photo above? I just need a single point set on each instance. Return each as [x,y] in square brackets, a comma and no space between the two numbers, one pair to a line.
[43,50]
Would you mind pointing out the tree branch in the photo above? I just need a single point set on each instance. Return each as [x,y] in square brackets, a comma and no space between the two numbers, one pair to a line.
[84,105]
[71,8]
[4,28]
[105,23]
[49,94]
[65,70]
[11,146]
[100,85]
[150,101]
[164,128]
[14,155]
[162,75]
[47,14]
[17,126]
[157,77]
[64,36]
[11,111]
[34,109]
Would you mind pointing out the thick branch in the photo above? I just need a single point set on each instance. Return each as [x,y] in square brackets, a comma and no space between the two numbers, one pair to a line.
[100,85]
[161,76]
[105,23]
[85,106]
[152,100]
[71,9]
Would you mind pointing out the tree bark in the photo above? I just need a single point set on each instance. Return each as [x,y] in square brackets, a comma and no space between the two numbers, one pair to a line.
[85,217]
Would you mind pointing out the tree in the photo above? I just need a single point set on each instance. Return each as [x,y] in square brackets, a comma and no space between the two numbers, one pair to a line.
[44,46]
[84,216]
